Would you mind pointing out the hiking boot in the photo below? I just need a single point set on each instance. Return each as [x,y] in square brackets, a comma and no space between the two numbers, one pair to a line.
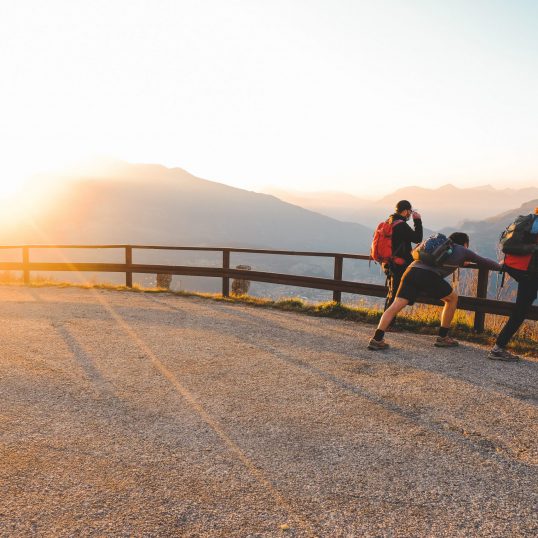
[375,345]
[445,341]
[500,354]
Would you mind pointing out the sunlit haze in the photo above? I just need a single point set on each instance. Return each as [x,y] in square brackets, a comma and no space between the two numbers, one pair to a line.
[346,95]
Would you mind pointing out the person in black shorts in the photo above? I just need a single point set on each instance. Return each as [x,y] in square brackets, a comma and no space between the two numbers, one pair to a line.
[423,279]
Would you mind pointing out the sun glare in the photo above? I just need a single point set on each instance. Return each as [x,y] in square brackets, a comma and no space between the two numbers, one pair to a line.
[12,182]
[10,189]
[15,198]
[21,177]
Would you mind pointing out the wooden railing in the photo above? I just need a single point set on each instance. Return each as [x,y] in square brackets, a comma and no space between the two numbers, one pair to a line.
[478,304]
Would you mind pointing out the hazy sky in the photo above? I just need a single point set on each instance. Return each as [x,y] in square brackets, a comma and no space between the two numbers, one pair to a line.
[360,96]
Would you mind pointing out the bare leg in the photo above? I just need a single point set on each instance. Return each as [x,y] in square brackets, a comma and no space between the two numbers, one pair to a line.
[451,304]
[377,342]
[391,312]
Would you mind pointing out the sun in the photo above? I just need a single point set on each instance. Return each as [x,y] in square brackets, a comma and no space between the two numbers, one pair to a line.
[12,182]
[14,199]
[10,189]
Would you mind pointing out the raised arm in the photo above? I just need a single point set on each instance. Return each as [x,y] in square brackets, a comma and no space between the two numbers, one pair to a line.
[408,234]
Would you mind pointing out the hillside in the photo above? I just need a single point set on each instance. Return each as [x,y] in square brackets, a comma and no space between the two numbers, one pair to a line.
[129,203]
[485,234]
[338,205]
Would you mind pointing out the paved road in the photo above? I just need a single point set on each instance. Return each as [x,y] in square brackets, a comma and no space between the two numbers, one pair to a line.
[153,415]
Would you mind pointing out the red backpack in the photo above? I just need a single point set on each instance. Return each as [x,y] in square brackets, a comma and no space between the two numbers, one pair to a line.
[381,250]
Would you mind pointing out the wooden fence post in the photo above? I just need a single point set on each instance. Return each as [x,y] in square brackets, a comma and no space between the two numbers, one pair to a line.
[25,262]
[225,280]
[481,293]
[338,268]
[129,263]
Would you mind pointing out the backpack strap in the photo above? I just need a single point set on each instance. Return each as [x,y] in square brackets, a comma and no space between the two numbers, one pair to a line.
[387,297]
[502,272]
[395,223]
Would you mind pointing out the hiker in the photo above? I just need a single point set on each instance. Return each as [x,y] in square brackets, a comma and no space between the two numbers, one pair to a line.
[423,278]
[402,237]
[521,263]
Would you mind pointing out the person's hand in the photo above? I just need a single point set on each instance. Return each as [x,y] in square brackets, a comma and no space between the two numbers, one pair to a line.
[416,215]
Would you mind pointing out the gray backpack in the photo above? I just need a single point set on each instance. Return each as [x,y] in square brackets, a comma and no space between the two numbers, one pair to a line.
[517,239]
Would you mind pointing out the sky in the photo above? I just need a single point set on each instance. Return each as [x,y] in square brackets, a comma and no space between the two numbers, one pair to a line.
[310,95]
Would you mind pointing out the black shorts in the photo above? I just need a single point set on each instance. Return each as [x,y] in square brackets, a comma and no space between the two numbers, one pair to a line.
[417,282]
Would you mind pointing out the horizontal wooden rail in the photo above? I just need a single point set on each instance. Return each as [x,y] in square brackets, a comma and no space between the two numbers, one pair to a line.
[480,304]
[314,254]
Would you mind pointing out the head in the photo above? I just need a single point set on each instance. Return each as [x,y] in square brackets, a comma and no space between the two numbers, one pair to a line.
[536,210]
[404,208]
[460,238]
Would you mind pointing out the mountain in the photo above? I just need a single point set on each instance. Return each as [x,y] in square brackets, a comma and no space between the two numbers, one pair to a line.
[155,205]
[484,234]
[440,207]
[130,203]
[449,204]
[338,205]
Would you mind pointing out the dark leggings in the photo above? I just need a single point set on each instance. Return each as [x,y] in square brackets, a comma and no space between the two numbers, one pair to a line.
[527,291]
[394,278]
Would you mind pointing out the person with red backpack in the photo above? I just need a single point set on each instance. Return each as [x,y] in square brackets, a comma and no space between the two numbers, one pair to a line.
[520,244]
[391,246]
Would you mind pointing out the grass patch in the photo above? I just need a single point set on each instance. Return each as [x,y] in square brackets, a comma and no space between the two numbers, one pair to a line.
[423,319]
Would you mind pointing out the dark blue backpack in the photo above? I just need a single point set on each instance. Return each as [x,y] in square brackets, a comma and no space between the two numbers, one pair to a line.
[434,251]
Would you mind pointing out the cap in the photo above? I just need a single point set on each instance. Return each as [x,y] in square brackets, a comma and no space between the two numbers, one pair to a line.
[402,205]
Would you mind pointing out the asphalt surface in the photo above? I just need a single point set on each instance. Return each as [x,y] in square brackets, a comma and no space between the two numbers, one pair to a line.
[128,414]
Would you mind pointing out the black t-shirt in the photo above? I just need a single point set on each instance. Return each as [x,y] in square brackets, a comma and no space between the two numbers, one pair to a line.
[403,235]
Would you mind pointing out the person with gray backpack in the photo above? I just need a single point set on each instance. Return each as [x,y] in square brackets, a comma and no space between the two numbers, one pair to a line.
[519,242]
[435,258]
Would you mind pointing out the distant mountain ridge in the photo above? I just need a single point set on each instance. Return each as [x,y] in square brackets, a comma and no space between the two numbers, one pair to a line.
[474,203]
[440,207]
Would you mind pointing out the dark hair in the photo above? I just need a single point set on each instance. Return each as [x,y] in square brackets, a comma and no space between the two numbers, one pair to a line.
[459,238]
[402,205]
